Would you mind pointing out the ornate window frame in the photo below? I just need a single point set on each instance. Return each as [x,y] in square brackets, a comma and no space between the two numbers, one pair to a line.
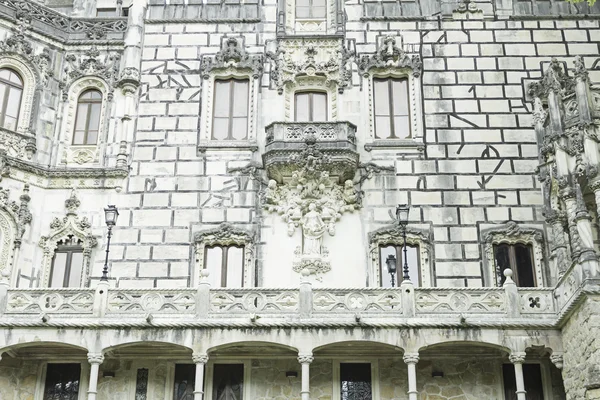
[511,234]
[21,66]
[393,62]
[61,229]
[13,218]
[311,26]
[84,154]
[230,62]
[224,235]
[392,234]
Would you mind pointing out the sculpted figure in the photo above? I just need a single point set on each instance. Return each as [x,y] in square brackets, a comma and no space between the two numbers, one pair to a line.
[313,229]
[271,196]
[350,195]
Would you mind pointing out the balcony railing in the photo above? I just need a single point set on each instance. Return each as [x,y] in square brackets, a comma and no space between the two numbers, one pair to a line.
[526,306]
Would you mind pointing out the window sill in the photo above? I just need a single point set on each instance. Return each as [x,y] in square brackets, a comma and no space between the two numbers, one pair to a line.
[205,145]
[408,146]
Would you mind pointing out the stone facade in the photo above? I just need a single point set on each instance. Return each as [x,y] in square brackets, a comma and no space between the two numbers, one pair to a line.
[499,147]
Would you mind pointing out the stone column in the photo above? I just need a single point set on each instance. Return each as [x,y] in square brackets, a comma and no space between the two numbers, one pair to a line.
[305,360]
[200,360]
[411,360]
[95,359]
[517,359]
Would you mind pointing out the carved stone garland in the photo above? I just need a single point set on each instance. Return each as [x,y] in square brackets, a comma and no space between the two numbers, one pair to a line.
[312,201]
[224,235]
[511,234]
[62,230]
[392,235]
[13,220]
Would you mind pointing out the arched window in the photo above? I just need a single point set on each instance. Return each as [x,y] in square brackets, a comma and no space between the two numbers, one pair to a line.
[87,121]
[311,106]
[11,93]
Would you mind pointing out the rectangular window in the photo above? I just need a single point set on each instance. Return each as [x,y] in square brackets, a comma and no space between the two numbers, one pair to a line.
[355,381]
[392,115]
[397,252]
[311,9]
[519,258]
[225,265]
[311,106]
[228,382]
[62,381]
[185,380]
[106,12]
[230,109]
[67,267]
[532,374]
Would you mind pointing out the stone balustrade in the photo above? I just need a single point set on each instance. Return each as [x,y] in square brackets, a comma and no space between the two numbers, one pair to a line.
[526,306]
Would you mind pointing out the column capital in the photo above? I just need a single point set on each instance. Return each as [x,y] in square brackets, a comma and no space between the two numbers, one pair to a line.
[199,358]
[305,358]
[517,357]
[411,358]
[95,358]
[557,360]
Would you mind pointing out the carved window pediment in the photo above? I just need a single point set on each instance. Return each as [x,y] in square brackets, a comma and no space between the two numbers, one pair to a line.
[392,235]
[390,56]
[232,55]
[68,229]
[225,235]
[511,234]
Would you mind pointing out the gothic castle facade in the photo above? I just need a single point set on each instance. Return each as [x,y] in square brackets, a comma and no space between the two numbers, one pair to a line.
[299,199]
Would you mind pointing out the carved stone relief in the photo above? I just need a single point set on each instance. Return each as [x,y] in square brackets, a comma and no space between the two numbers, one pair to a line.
[231,61]
[392,235]
[224,235]
[63,230]
[511,234]
[313,201]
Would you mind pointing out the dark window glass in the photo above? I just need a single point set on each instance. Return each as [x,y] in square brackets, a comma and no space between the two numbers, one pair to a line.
[67,264]
[517,257]
[225,265]
[311,106]
[185,379]
[125,12]
[532,374]
[355,379]
[397,251]
[228,382]
[307,9]
[141,384]
[230,109]
[11,92]
[87,122]
[392,115]
[62,382]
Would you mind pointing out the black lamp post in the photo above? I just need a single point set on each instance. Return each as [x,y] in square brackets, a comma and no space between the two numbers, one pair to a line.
[390,261]
[402,217]
[110,216]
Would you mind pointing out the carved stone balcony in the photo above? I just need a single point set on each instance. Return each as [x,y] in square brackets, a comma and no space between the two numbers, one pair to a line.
[292,145]
[303,306]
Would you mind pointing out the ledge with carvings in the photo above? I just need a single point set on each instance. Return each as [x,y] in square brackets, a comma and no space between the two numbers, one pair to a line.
[55,177]
[17,144]
[56,25]
[335,143]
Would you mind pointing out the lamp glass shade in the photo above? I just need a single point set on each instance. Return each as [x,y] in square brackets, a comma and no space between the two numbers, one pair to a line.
[402,213]
[110,215]
[390,261]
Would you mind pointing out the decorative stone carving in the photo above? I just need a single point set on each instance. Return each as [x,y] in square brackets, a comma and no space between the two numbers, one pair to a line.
[225,235]
[199,358]
[305,358]
[322,60]
[67,229]
[18,45]
[470,8]
[232,55]
[554,80]
[313,201]
[90,64]
[392,235]
[95,358]
[17,144]
[511,233]
[517,357]
[390,56]
[411,358]
[14,217]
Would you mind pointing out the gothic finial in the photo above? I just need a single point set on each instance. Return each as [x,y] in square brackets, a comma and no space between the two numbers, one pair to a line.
[72,203]
[580,71]
[539,114]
